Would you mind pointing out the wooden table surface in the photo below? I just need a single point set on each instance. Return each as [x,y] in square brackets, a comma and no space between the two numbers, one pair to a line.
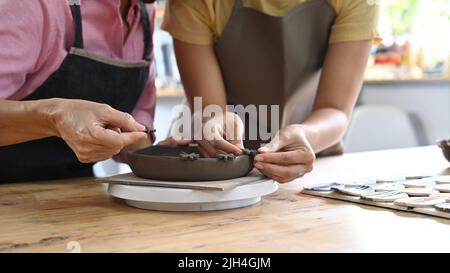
[49,216]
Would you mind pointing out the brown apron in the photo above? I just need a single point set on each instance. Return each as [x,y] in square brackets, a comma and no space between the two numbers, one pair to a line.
[268,60]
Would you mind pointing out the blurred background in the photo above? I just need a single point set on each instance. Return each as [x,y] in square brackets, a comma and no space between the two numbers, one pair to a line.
[404,102]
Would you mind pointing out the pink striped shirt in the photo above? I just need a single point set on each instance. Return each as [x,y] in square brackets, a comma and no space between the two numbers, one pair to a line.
[35,36]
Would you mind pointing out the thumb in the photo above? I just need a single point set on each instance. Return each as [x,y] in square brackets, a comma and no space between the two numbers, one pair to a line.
[123,120]
[132,137]
[275,145]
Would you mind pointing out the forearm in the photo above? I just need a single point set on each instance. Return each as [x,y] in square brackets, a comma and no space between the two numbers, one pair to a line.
[324,128]
[340,84]
[22,121]
[200,73]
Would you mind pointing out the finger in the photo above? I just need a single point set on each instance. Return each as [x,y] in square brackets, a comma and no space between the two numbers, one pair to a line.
[271,176]
[181,142]
[105,137]
[286,158]
[234,128]
[275,145]
[226,147]
[122,120]
[130,138]
[287,173]
[209,148]
[219,143]
[212,130]
[204,152]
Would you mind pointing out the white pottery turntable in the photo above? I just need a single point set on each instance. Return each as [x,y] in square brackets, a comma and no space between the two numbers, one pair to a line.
[183,199]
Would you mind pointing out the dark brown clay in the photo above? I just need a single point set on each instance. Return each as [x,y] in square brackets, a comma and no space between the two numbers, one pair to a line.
[445,146]
[185,163]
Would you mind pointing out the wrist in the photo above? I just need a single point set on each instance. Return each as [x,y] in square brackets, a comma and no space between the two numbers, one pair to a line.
[306,130]
[46,113]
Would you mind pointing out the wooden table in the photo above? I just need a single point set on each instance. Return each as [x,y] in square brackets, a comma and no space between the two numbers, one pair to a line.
[45,217]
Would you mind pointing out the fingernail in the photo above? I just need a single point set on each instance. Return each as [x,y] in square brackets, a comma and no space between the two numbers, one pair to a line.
[263,150]
[258,158]
[259,166]
[140,127]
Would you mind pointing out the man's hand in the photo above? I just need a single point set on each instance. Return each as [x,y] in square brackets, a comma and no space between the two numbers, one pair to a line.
[94,131]
[287,157]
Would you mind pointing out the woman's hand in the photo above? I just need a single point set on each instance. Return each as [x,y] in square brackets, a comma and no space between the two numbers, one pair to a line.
[287,157]
[94,131]
[222,134]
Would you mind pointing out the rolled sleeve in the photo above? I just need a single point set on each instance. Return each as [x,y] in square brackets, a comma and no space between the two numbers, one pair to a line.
[189,21]
[356,20]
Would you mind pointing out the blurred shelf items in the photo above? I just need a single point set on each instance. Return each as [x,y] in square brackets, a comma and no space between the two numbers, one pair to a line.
[416,42]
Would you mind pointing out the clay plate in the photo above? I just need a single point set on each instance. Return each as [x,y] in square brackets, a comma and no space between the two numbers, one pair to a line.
[163,162]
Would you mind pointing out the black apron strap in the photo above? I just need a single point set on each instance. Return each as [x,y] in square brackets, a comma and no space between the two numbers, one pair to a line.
[148,39]
[76,14]
[145,20]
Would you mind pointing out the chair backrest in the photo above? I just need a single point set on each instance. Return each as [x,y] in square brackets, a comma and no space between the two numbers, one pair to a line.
[378,127]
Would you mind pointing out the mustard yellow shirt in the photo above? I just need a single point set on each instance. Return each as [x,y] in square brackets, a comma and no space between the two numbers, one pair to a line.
[202,21]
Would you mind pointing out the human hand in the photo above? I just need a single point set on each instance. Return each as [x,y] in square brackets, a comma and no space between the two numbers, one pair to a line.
[287,157]
[94,131]
[222,135]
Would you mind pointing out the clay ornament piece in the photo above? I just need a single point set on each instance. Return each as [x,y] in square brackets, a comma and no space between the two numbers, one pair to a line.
[418,183]
[445,179]
[388,187]
[443,207]
[445,196]
[444,188]
[226,157]
[191,156]
[357,190]
[420,192]
[385,196]
[185,163]
[419,202]
[250,152]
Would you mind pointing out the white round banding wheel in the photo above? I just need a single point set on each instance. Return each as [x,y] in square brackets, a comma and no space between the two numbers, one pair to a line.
[171,199]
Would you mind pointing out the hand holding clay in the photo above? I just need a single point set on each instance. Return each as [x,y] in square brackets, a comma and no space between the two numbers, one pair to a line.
[94,131]
[287,157]
[222,135]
